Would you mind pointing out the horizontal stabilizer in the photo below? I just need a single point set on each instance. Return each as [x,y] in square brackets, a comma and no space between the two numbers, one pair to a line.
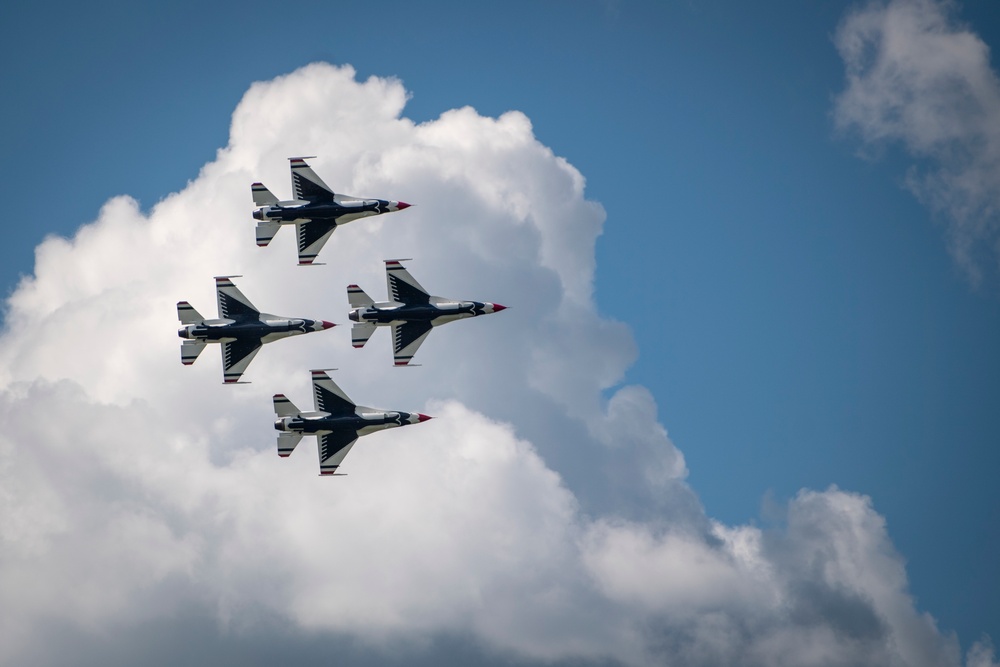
[361,332]
[187,314]
[190,349]
[262,196]
[266,231]
[357,297]
[287,442]
[284,407]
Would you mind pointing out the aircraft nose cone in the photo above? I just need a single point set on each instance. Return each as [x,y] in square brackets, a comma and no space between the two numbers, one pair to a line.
[402,204]
[258,214]
[422,418]
[327,325]
[497,307]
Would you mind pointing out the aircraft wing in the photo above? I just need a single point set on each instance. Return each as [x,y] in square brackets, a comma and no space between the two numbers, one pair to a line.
[306,185]
[236,356]
[403,287]
[312,236]
[330,397]
[406,338]
[232,304]
[333,448]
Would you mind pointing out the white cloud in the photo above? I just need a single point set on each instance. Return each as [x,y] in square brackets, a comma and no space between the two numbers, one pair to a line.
[916,76]
[133,489]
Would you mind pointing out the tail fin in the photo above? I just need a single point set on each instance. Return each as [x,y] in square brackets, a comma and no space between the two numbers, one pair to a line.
[266,231]
[187,314]
[284,407]
[190,349]
[261,195]
[357,297]
[361,332]
[287,442]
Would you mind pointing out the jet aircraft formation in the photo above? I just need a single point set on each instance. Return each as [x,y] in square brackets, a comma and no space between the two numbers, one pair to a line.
[241,329]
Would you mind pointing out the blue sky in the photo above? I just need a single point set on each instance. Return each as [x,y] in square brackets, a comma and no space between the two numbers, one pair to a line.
[798,317]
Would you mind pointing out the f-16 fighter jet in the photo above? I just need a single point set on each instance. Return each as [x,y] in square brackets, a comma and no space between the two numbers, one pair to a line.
[412,313]
[241,329]
[316,211]
[338,422]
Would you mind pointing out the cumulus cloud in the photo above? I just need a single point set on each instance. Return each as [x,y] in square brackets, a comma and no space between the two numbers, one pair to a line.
[918,77]
[539,517]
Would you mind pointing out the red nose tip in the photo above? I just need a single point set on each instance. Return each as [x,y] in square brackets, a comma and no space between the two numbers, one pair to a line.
[401,205]
[497,307]
[422,418]
[328,325]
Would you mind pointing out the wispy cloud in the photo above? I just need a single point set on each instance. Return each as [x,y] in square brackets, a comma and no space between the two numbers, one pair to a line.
[534,517]
[918,77]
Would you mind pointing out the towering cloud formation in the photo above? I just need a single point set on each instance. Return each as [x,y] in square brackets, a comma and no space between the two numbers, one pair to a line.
[533,517]
[917,77]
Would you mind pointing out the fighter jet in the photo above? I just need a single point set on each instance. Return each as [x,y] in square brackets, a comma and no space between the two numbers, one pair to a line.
[412,313]
[241,329]
[338,422]
[316,211]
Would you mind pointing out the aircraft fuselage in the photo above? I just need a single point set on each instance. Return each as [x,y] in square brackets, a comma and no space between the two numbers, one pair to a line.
[224,329]
[317,423]
[435,313]
[338,212]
